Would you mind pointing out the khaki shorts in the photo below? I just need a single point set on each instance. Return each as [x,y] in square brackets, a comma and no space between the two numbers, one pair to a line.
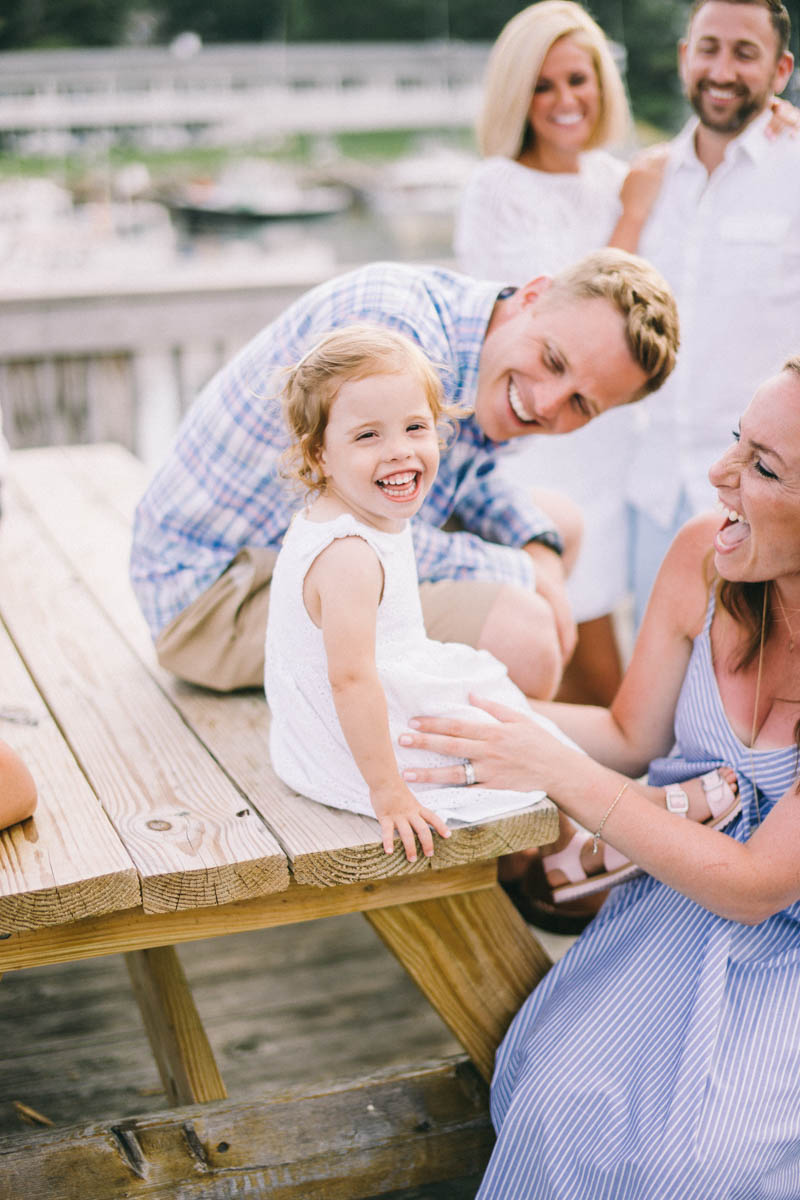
[218,641]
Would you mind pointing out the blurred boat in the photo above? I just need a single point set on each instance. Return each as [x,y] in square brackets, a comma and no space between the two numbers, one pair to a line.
[50,245]
[44,235]
[428,182]
[251,191]
[416,197]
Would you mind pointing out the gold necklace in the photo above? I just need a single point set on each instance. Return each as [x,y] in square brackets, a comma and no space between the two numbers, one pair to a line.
[755,705]
[786,619]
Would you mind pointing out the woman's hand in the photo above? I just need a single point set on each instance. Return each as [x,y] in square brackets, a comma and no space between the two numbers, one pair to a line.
[512,752]
[638,194]
[642,184]
[785,118]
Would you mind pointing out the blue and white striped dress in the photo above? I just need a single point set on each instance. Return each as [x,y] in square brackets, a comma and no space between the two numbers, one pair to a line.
[660,1059]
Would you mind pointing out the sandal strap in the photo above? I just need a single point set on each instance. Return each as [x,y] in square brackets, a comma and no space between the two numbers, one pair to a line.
[568,860]
[677,800]
[718,792]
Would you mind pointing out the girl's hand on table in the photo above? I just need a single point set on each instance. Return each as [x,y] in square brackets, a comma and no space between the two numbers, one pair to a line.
[398,809]
[512,752]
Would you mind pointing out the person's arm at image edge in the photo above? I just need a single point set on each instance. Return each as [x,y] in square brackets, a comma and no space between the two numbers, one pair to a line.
[17,788]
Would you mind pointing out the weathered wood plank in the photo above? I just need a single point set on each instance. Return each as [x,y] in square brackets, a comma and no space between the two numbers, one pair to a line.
[86,495]
[177,1038]
[473,957]
[49,871]
[311,1005]
[138,930]
[193,840]
[345,1143]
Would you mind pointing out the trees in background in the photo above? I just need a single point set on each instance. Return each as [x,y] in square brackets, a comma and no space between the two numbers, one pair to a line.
[37,24]
[647,28]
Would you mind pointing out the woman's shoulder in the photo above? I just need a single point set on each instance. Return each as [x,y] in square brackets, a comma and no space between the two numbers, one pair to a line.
[692,548]
[602,165]
[695,540]
[497,164]
[687,571]
[496,174]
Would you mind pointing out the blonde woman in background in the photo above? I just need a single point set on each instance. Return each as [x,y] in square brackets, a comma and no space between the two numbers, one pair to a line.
[545,193]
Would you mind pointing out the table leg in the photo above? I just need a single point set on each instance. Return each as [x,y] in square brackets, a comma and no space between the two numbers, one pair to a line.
[180,1046]
[474,958]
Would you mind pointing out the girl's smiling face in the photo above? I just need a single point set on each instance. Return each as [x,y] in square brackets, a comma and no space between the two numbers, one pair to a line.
[758,484]
[565,106]
[380,453]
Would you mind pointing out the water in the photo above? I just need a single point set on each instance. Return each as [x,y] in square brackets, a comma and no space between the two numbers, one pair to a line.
[361,234]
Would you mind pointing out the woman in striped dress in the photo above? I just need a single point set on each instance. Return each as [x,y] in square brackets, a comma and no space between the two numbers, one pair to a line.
[661,1057]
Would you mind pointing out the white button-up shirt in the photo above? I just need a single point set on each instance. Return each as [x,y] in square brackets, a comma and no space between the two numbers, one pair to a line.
[729,244]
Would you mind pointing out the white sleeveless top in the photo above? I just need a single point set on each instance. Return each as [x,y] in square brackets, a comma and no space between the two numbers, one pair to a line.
[419,676]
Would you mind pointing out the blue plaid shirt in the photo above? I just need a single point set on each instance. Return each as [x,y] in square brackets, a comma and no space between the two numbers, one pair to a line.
[221,487]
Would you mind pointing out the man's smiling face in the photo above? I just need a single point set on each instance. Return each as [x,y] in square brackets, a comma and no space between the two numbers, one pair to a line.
[730,65]
[549,366]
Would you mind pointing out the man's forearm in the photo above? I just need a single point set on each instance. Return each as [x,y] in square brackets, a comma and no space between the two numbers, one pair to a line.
[550,583]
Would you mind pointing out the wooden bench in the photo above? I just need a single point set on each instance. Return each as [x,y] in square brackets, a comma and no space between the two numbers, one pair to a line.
[160,821]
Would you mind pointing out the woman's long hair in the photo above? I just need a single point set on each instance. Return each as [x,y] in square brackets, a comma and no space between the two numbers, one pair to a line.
[747,605]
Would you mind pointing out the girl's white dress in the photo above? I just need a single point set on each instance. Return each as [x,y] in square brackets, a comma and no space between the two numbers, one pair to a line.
[418,675]
[516,223]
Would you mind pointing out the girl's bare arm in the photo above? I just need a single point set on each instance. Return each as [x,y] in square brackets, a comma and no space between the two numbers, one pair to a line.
[347,579]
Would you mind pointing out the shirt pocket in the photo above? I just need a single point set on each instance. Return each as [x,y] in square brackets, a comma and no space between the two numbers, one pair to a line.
[756,251]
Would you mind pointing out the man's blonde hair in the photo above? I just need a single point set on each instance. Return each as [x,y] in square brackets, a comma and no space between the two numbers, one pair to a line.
[352,352]
[514,67]
[643,297]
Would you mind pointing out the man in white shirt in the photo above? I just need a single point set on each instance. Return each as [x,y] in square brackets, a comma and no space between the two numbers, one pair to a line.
[725,232]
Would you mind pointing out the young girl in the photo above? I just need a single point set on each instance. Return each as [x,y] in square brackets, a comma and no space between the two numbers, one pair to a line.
[347,657]
[348,661]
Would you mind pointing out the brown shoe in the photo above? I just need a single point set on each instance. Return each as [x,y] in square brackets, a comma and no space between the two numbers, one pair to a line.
[532,896]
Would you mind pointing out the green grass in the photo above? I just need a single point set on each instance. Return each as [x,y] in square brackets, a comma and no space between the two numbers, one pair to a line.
[203,161]
[296,149]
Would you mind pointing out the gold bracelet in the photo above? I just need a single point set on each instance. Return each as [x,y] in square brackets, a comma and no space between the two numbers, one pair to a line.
[611,807]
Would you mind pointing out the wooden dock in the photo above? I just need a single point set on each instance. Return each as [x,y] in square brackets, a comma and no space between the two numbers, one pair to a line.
[297,1008]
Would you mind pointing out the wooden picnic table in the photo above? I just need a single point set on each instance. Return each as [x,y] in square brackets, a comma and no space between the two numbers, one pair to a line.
[160,821]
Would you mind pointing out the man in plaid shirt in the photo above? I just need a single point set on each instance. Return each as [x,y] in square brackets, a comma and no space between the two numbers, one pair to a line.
[544,358]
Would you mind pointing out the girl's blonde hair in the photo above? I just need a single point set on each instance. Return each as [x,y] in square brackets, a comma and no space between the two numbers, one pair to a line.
[514,67]
[353,352]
